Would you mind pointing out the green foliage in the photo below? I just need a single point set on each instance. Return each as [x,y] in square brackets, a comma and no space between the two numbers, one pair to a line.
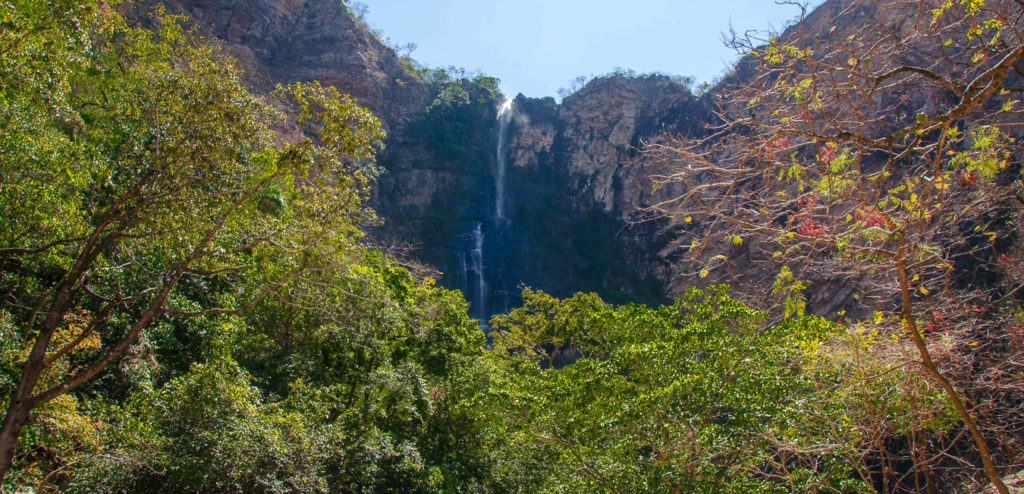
[695,397]
[452,124]
[986,156]
[208,430]
[360,393]
[449,100]
[792,290]
[288,357]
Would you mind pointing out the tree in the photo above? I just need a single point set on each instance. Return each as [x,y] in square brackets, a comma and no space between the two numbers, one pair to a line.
[351,384]
[138,170]
[873,141]
[705,395]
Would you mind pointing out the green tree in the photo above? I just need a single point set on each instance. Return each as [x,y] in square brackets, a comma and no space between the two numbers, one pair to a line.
[354,387]
[137,166]
[702,396]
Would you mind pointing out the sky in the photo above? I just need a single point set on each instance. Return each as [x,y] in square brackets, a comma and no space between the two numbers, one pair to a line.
[538,46]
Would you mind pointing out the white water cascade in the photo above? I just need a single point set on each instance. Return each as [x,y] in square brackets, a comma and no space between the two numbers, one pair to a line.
[504,117]
[472,274]
[476,259]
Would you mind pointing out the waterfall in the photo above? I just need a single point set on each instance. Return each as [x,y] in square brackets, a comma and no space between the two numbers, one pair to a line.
[477,259]
[504,116]
[470,259]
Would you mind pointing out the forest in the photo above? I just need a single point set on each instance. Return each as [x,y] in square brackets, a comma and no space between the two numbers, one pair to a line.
[190,299]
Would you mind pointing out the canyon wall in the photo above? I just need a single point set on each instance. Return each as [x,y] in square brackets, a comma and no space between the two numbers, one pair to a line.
[576,192]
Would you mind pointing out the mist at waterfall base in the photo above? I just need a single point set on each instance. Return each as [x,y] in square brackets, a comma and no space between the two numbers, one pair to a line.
[472,253]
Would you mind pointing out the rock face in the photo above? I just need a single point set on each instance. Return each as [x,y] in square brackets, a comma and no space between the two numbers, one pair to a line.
[576,193]
[282,41]
[603,124]
[577,187]
[572,188]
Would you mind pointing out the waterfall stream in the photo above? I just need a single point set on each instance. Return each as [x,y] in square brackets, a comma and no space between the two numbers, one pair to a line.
[504,116]
[471,276]
[477,260]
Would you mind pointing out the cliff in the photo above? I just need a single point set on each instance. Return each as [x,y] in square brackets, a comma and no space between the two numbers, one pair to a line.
[573,189]
[576,191]
[283,41]
[578,188]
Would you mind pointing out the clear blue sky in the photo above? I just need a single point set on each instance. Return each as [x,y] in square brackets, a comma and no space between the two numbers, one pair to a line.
[538,46]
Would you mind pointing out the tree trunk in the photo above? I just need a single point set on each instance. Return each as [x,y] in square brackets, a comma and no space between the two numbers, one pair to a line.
[22,400]
[941,380]
[16,418]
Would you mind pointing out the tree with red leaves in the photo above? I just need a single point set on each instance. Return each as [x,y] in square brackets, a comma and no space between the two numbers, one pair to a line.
[886,151]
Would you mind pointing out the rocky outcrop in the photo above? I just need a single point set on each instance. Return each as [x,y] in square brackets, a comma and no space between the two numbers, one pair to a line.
[603,125]
[283,41]
[577,187]
[572,188]
[576,192]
